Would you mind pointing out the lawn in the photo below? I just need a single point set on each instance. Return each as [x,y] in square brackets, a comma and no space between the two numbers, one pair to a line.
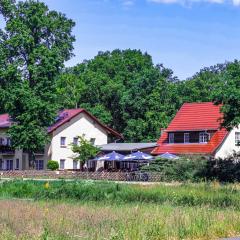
[101,210]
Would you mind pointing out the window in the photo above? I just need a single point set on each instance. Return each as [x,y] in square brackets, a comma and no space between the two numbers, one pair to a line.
[63,141]
[75,140]
[237,138]
[9,166]
[17,164]
[186,137]
[1,164]
[62,164]
[8,141]
[171,137]
[39,164]
[75,164]
[203,137]
[92,140]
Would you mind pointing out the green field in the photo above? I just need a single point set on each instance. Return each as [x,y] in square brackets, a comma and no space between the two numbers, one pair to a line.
[103,210]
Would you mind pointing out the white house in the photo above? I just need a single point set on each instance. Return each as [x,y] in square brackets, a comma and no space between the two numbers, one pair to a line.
[69,124]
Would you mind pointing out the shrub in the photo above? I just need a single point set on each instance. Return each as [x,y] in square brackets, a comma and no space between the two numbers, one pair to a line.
[182,169]
[198,168]
[52,165]
[224,170]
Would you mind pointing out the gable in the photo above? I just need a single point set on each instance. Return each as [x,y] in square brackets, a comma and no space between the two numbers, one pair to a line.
[66,116]
[80,124]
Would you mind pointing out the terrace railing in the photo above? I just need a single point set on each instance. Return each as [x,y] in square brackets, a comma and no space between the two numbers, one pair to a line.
[5,149]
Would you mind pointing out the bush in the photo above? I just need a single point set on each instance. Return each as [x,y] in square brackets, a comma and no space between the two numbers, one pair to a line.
[224,170]
[198,168]
[52,165]
[182,169]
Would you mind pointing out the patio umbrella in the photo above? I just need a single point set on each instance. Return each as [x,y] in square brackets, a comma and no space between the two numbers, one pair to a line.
[113,156]
[138,156]
[168,155]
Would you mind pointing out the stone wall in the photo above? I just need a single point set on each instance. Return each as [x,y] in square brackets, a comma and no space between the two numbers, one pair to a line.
[112,176]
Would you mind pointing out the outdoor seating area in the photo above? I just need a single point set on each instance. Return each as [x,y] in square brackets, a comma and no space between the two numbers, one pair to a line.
[115,162]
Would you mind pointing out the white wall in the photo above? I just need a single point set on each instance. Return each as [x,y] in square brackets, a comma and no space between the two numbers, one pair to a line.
[17,154]
[78,126]
[228,146]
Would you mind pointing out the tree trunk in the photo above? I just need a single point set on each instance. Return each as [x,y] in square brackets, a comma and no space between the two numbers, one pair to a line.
[31,158]
[81,166]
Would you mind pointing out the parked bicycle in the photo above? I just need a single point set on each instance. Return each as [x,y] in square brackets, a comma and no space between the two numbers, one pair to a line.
[137,177]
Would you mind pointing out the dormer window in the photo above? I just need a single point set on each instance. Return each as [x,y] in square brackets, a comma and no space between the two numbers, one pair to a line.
[171,137]
[203,137]
[186,137]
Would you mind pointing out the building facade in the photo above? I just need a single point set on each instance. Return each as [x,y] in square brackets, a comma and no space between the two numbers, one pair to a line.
[69,124]
[196,129]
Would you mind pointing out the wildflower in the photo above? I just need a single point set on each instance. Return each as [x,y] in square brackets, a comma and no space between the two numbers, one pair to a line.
[46,185]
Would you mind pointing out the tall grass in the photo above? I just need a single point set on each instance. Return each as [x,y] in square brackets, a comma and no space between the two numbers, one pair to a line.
[96,221]
[204,194]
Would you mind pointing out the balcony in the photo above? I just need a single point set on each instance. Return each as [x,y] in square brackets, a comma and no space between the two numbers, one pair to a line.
[7,150]
[40,152]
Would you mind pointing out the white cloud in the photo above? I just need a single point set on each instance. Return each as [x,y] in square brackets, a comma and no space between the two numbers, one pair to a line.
[187,2]
[236,2]
[128,3]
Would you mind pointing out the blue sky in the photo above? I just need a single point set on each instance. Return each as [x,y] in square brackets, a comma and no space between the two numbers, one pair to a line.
[184,35]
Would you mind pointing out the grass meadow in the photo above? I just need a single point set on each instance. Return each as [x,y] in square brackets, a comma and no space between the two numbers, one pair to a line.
[101,210]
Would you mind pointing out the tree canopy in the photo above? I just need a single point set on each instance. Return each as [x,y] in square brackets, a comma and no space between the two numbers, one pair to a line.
[34,44]
[123,88]
[84,151]
[228,94]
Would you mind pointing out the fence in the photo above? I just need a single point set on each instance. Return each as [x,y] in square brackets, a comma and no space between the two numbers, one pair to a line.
[111,176]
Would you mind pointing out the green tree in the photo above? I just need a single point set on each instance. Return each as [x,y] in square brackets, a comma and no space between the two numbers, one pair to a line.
[34,44]
[69,90]
[84,150]
[201,86]
[119,86]
[228,94]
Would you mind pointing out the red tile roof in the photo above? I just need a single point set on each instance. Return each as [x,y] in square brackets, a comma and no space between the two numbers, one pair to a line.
[4,121]
[194,117]
[63,117]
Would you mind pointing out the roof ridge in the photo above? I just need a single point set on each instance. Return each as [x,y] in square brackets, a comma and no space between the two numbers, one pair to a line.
[198,103]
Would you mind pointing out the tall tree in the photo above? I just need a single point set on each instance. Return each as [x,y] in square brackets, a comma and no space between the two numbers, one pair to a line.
[201,86]
[34,44]
[69,90]
[228,94]
[118,86]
